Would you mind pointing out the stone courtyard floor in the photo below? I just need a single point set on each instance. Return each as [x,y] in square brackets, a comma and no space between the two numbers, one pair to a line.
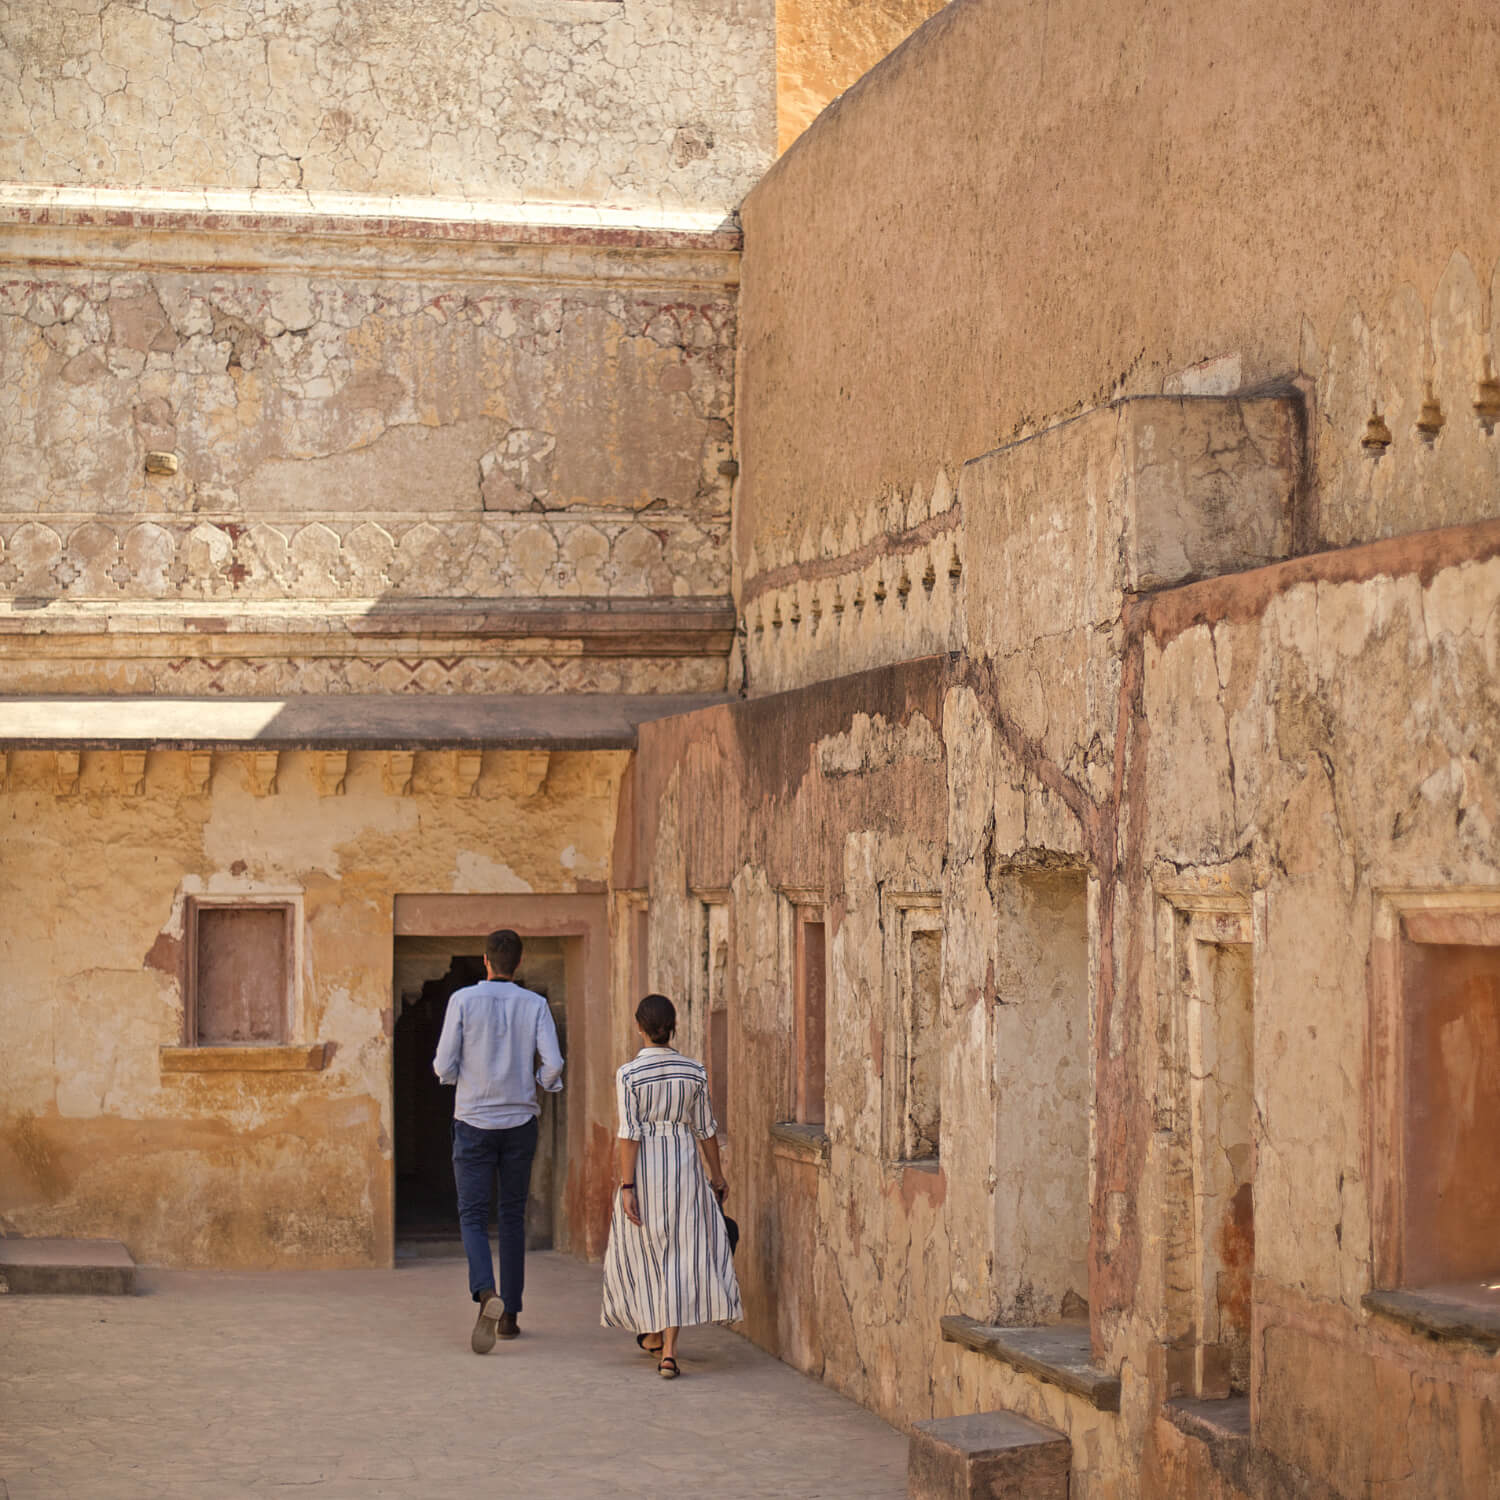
[359,1384]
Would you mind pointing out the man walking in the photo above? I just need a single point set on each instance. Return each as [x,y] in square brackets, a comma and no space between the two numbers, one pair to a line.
[493,1033]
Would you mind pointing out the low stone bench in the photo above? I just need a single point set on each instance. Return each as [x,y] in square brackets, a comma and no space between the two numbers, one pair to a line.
[991,1455]
[82,1267]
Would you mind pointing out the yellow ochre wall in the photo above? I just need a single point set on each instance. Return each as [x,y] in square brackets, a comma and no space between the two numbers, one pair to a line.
[240,1168]
[1112,200]
[823,46]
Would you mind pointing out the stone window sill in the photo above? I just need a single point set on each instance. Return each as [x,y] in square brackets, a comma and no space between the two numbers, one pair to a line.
[1466,1313]
[797,1142]
[917,1164]
[1224,1421]
[1061,1355]
[301,1058]
[1223,1427]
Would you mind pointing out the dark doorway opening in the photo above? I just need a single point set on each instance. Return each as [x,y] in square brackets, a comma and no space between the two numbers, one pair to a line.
[427,972]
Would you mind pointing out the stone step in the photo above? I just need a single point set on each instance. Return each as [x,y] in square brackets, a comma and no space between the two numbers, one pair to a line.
[88,1267]
[989,1455]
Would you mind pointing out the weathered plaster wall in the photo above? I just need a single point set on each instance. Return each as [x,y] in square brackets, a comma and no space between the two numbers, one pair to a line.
[823,46]
[625,102]
[1131,496]
[837,797]
[362,437]
[1245,761]
[425,316]
[1223,245]
[1289,742]
[1281,748]
[239,1168]
[1322,812]
[358,421]
[1271,208]
[292,396]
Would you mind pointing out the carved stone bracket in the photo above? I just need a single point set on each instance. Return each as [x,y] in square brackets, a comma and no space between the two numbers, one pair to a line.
[200,771]
[133,772]
[69,765]
[398,772]
[333,768]
[261,768]
[533,767]
[468,766]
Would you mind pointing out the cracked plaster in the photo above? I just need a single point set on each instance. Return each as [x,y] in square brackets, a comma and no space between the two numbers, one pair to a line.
[387,439]
[629,102]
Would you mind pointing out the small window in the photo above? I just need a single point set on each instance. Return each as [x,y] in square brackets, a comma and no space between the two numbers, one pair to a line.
[810,991]
[1451,1218]
[240,976]
[1435,1108]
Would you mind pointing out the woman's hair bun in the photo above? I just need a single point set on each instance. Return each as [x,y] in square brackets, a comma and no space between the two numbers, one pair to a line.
[657,1017]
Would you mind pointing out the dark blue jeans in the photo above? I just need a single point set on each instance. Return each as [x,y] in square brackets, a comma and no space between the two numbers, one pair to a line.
[477,1156]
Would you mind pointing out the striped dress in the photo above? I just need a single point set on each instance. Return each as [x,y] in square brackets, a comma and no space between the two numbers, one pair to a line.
[675,1268]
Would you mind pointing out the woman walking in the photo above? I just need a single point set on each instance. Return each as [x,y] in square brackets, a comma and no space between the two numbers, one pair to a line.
[668,1261]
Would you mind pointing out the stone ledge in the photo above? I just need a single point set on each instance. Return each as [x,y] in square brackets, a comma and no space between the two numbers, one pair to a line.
[795,1142]
[1223,1427]
[702,624]
[1218,1423]
[988,1455]
[1061,1355]
[311,1058]
[1468,1314]
[338,234]
[342,721]
[361,216]
[66,1267]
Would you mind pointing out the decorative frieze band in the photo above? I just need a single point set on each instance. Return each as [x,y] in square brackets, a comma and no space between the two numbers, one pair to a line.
[895,606]
[192,557]
[381,667]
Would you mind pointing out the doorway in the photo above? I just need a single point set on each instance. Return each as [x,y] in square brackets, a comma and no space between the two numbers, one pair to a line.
[427,971]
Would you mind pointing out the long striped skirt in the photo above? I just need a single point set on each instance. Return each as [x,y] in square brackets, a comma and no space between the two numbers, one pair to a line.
[674,1269]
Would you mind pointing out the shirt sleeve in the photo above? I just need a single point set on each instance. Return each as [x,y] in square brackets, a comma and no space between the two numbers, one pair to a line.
[450,1044]
[630,1122]
[704,1124]
[549,1075]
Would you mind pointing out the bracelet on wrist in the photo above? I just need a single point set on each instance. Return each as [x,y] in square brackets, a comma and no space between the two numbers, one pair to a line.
[625,1185]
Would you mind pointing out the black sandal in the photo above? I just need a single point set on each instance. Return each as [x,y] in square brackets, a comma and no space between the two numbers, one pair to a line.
[666,1373]
[644,1347]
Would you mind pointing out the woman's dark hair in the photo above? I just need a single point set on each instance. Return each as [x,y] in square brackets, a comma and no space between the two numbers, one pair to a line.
[657,1017]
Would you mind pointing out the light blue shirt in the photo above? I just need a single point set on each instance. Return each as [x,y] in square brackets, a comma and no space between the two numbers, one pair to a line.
[492,1034]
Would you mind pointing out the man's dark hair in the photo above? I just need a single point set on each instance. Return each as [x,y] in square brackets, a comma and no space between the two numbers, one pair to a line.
[503,949]
[657,1017]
